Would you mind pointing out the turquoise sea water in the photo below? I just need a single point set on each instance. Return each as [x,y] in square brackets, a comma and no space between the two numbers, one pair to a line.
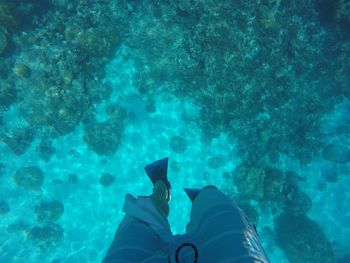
[250,96]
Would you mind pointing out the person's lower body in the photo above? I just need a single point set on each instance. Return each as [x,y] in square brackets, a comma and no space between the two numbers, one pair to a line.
[135,240]
[160,198]
[220,230]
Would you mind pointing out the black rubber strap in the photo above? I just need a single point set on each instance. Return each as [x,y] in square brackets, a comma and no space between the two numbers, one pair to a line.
[186,245]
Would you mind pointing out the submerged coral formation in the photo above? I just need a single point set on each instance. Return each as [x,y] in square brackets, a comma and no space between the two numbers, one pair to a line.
[250,181]
[65,78]
[22,70]
[261,183]
[104,137]
[244,65]
[178,144]
[46,150]
[303,240]
[49,212]
[30,178]
[19,140]
[106,179]
[17,227]
[46,235]
[268,185]
[336,153]
[9,16]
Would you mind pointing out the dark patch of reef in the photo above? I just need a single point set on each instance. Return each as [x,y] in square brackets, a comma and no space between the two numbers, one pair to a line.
[104,137]
[303,240]
[262,71]
[265,72]
[52,64]
[106,179]
[46,232]
[49,212]
[276,192]
[29,178]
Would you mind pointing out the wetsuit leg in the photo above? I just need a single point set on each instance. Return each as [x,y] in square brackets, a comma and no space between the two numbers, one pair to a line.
[159,198]
[135,240]
[221,231]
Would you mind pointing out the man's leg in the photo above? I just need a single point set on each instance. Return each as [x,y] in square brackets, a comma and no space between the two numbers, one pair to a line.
[160,198]
[221,230]
[135,240]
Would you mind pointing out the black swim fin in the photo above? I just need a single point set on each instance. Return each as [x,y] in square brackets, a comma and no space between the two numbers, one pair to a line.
[192,193]
[158,170]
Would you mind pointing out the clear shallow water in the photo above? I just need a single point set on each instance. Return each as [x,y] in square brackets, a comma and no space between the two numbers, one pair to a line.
[155,116]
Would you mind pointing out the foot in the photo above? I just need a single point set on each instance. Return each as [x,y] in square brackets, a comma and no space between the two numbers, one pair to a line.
[161,198]
[161,190]
[158,171]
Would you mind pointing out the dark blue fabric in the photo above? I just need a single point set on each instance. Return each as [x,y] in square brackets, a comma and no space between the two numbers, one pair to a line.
[158,170]
[218,228]
[192,193]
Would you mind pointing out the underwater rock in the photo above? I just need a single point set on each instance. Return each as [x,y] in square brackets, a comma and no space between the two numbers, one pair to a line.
[215,162]
[249,181]
[116,112]
[21,70]
[67,76]
[46,235]
[64,107]
[274,183]
[17,227]
[343,11]
[178,144]
[336,153]
[49,212]
[19,141]
[330,173]
[106,179]
[292,178]
[30,178]
[97,42]
[3,41]
[104,137]
[303,240]
[4,207]
[298,203]
[8,15]
[8,94]
[46,150]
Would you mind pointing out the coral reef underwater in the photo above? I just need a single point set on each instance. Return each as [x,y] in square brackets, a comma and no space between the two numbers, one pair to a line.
[252,96]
